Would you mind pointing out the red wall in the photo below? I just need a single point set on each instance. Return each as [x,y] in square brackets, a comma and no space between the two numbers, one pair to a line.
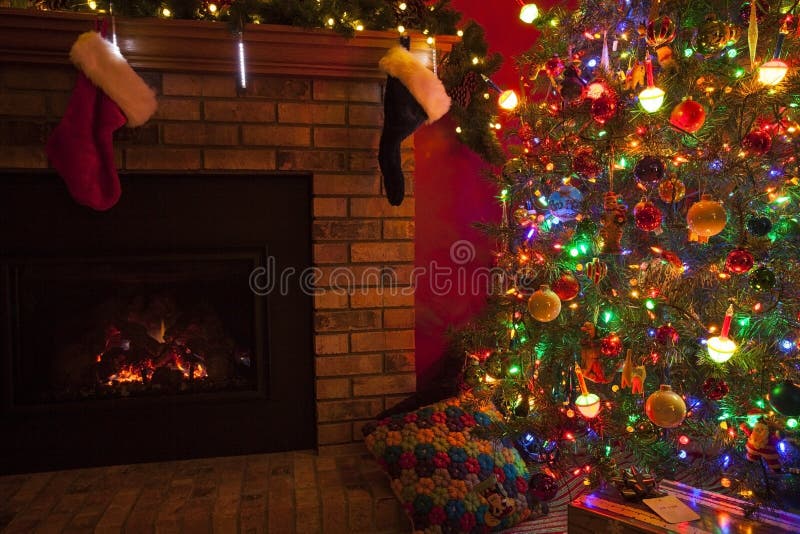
[451,194]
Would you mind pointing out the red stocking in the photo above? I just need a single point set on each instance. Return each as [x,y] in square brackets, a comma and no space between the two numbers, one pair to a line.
[81,149]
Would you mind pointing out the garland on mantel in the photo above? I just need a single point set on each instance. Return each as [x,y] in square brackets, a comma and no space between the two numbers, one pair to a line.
[464,70]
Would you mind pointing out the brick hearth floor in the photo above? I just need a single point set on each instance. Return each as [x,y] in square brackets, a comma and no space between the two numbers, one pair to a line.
[294,492]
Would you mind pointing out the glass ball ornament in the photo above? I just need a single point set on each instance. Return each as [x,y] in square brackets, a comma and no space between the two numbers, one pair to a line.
[649,170]
[688,116]
[713,35]
[660,31]
[757,142]
[706,218]
[603,108]
[720,348]
[554,66]
[784,398]
[665,408]
[473,375]
[565,202]
[573,85]
[585,163]
[586,227]
[671,190]
[762,279]
[566,287]
[739,261]
[759,225]
[544,305]
[786,227]
[715,389]
[516,169]
[495,365]
[542,487]
[537,449]
[667,335]
[647,216]
[611,345]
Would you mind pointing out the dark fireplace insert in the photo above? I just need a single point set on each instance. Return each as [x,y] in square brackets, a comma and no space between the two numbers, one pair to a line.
[134,335]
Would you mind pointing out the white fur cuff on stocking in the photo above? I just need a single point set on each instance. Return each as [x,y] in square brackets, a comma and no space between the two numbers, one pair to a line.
[101,62]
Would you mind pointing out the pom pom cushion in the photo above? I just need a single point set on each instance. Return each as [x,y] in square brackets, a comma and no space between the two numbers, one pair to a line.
[447,479]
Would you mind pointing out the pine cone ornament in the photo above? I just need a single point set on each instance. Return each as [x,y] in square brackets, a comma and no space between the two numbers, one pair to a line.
[462,93]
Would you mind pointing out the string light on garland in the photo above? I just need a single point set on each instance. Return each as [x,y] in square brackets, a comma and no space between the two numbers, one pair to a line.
[720,348]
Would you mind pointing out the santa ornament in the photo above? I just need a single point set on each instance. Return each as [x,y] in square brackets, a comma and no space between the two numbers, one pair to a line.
[761,443]
[107,95]
[414,96]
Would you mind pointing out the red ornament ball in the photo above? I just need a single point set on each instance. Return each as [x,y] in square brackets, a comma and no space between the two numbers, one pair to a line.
[715,389]
[611,345]
[585,163]
[739,261]
[647,216]
[757,142]
[688,116]
[542,487]
[660,31]
[604,108]
[566,287]
[667,335]
[554,66]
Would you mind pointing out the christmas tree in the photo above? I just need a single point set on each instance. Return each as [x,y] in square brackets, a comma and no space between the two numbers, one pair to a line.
[646,306]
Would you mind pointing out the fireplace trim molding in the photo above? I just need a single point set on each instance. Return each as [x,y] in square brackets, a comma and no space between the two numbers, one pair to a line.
[45,37]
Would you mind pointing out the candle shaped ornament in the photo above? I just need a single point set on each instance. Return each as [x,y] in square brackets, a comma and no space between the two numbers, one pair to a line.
[721,347]
[651,97]
[586,403]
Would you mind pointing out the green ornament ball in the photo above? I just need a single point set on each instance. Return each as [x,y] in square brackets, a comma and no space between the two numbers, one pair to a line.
[713,35]
[762,279]
[473,375]
[586,227]
[785,398]
[786,227]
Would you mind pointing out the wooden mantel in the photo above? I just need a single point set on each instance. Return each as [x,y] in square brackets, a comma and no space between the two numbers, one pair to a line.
[28,36]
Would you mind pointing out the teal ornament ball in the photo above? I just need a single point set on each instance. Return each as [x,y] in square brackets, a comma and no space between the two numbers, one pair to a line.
[785,398]
[565,203]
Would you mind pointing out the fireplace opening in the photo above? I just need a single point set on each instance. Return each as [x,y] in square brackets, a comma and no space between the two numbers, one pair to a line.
[113,328]
[134,335]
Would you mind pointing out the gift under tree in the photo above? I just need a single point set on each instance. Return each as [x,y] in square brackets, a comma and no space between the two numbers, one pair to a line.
[649,308]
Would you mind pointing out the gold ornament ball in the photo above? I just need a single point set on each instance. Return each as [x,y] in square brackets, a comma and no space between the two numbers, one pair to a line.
[665,408]
[706,218]
[671,190]
[544,305]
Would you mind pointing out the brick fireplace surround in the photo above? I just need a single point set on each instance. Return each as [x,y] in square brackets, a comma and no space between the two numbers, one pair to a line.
[313,104]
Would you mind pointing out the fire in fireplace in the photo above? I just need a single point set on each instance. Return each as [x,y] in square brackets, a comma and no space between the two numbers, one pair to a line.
[120,327]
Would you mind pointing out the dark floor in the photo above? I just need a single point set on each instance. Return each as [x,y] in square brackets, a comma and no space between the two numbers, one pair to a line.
[295,492]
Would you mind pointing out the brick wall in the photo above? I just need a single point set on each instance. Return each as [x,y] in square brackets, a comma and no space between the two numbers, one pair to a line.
[328,126]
